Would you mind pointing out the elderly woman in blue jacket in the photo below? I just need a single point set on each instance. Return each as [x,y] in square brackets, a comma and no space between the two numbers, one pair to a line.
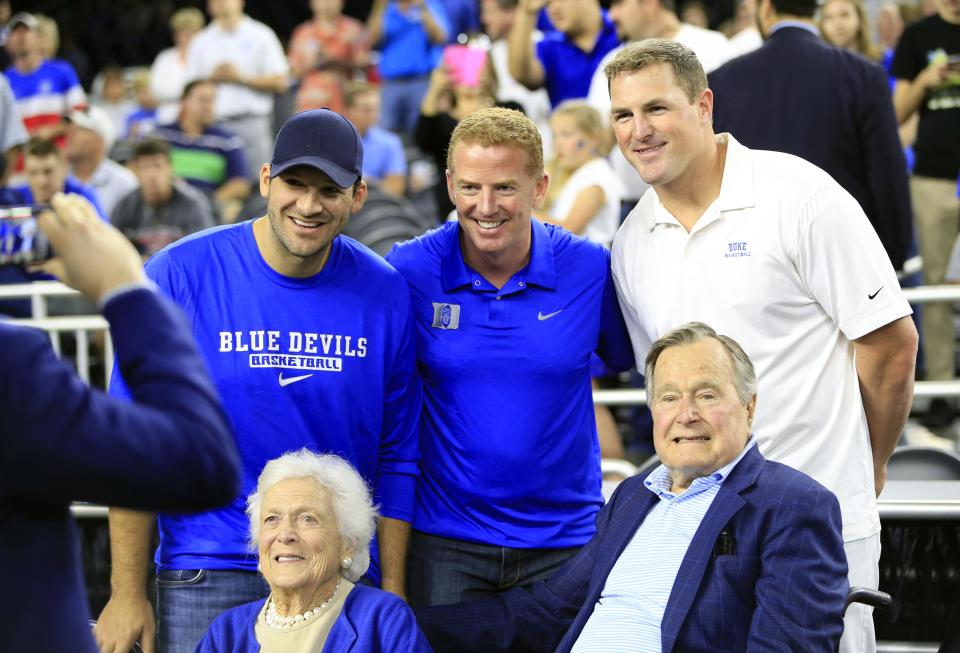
[311,520]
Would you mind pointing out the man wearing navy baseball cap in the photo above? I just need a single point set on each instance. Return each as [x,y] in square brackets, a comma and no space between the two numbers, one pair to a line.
[308,338]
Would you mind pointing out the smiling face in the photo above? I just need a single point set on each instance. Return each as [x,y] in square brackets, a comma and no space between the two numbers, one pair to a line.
[840,23]
[660,132]
[305,211]
[299,543]
[495,197]
[699,422]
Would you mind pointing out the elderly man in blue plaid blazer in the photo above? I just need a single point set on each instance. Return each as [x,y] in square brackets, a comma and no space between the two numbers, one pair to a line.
[718,549]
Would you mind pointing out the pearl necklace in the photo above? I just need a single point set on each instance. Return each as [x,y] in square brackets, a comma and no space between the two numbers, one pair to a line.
[278,622]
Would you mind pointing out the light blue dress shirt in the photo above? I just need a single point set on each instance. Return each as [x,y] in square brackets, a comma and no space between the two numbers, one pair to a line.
[628,614]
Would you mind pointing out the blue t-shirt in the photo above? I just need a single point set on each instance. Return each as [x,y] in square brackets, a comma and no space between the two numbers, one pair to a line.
[508,438]
[382,154]
[71,185]
[567,69]
[324,362]
[406,50]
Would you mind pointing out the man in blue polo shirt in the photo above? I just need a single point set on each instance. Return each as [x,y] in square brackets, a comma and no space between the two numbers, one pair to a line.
[508,311]
[564,61]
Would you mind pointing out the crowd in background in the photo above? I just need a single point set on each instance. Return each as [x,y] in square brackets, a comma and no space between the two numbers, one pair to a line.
[169,140]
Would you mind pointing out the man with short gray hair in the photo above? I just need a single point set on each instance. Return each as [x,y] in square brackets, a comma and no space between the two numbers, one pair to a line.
[718,549]
[770,249]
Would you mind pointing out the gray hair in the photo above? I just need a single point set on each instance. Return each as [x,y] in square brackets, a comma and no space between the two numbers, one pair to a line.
[744,376]
[354,511]
[636,56]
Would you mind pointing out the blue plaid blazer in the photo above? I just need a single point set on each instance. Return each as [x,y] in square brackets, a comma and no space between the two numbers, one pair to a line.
[766,571]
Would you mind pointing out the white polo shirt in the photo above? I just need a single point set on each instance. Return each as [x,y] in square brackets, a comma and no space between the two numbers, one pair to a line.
[786,263]
[253,48]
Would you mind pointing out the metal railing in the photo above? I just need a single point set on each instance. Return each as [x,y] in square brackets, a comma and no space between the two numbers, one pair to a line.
[82,326]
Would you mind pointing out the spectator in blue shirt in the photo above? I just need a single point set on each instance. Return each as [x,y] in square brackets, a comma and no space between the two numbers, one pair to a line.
[718,549]
[384,163]
[563,61]
[508,311]
[409,35]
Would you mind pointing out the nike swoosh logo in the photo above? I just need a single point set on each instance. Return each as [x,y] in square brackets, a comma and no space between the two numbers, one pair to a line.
[876,293]
[542,317]
[293,379]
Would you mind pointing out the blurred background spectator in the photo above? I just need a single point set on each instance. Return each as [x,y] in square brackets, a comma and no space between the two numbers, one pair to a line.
[206,156]
[408,34]
[45,168]
[245,58]
[45,90]
[584,194]
[163,208]
[383,159]
[168,74]
[325,52]
[90,135]
[444,105]
[845,24]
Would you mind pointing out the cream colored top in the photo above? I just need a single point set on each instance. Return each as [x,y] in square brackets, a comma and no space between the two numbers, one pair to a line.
[308,637]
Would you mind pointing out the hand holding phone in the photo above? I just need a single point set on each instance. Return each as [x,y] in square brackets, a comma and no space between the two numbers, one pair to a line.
[21,241]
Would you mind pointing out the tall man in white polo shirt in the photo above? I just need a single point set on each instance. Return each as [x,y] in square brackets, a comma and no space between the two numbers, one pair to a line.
[247,61]
[769,249]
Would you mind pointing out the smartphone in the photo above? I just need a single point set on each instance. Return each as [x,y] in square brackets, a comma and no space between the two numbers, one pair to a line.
[466,63]
[21,241]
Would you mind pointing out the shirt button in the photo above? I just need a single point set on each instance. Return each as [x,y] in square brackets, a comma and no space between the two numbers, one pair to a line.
[498,296]
[522,284]
[477,282]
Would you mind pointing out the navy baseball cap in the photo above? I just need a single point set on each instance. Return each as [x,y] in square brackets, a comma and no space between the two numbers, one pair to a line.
[321,139]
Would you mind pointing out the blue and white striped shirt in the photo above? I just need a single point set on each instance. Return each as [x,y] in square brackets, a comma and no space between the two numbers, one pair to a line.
[628,614]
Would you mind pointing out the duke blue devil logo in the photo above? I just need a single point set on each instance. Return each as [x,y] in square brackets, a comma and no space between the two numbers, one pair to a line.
[446,316]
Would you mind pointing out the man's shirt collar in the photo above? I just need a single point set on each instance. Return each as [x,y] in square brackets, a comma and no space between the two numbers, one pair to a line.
[540,271]
[659,481]
[793,23]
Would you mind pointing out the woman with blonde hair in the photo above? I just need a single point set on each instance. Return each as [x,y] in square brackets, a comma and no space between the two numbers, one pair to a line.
[845,24]
[585,192]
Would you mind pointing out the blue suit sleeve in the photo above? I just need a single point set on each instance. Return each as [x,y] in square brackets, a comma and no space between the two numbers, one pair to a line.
[521,619]
[399,445]
[803,585]
[171,450]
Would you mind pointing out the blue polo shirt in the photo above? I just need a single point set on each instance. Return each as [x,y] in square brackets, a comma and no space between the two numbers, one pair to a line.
[568,69]
[509,451]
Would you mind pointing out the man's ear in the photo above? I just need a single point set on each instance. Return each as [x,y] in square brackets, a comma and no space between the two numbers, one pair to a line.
[359,197]
[265,180]
[540,190]
[705,105]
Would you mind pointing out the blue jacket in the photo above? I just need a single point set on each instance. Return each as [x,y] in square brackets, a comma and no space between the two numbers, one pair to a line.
[62,441]
[782,588]
[372,621]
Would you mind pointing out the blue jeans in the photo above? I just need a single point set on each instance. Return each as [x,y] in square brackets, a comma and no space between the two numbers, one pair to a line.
[188,600]
[401,100]
[441,570]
